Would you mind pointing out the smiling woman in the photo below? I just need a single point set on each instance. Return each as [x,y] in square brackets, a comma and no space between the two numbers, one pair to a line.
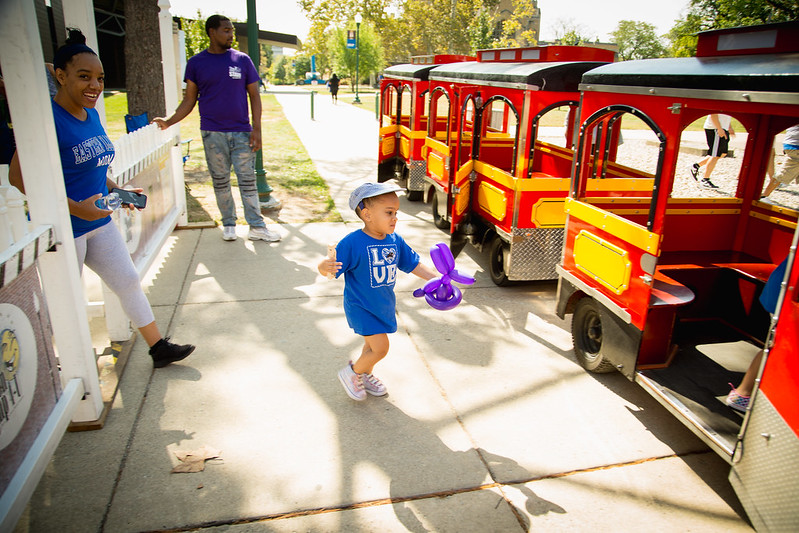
[86,152]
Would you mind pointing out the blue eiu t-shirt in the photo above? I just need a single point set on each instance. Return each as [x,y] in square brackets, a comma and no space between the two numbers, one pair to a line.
[370,270]
[86,151]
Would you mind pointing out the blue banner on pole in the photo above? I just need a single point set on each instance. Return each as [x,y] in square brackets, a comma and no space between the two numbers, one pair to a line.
[351,39]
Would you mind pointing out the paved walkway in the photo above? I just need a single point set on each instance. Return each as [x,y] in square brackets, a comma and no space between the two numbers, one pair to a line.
[490,424]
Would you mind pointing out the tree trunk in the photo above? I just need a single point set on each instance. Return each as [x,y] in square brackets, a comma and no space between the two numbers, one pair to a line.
[143,71]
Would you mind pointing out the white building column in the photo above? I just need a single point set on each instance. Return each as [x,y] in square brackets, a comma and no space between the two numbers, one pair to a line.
[80,14]
[172,98]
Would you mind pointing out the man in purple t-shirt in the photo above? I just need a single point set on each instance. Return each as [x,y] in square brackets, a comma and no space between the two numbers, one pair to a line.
[222,80]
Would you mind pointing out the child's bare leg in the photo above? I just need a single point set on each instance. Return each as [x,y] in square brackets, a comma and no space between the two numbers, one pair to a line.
[375,348]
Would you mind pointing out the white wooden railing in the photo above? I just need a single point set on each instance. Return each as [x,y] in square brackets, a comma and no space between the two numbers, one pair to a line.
[13,220]
[137,150]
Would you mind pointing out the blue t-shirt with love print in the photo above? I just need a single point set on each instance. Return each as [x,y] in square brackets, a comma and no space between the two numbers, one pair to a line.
[370,269]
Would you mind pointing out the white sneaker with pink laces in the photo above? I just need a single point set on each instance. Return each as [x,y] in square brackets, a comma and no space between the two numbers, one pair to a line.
[352,383]
[372,385]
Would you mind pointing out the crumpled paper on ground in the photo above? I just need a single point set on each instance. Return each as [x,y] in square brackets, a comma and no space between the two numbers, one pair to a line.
[194,461]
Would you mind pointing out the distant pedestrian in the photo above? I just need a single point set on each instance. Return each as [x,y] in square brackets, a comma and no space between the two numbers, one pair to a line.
[718,129]
[788,169]
[333,84]
[222,79]
[369,259]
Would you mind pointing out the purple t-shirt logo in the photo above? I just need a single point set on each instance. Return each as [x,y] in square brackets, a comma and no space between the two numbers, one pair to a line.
[222,81]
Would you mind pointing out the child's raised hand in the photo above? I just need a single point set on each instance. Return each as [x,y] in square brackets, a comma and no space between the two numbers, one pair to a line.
[329,266]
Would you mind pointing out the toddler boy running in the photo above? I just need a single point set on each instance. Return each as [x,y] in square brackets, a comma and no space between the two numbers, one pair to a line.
[369,259]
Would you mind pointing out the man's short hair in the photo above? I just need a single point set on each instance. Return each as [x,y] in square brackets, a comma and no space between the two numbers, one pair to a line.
[213,22]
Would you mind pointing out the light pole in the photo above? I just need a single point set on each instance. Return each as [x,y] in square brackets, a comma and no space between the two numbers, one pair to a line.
[264,189]
[358,19]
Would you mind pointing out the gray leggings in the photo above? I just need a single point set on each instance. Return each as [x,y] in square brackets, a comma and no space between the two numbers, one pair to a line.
[104,251]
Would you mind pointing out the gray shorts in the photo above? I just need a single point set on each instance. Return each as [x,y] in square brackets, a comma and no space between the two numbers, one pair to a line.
[788,169]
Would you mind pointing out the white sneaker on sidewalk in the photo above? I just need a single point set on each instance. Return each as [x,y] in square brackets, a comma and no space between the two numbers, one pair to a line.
[229,233]
[272,203]
[372,385]
[352,382]
[263,234]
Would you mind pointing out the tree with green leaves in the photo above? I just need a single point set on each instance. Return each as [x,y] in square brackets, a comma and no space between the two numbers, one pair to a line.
[637,40]
[516,30]
[194,33]
[370,54]
[407,27]
[280,72]
[718,14]
[483,31]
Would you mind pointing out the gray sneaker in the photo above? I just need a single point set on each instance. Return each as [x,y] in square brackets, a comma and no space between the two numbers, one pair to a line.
[352,383]
[229,233]
[263,234]
[372,385]
[272,203]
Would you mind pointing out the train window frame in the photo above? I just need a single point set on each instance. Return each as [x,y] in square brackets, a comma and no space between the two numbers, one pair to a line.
[485,124]
[596,119]
[476,124]
[405,87]
[393,119]
[435,95]
[574,110]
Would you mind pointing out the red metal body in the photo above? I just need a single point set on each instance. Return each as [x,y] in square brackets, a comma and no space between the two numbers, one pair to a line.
[493,178]
[664,284]
[403,123]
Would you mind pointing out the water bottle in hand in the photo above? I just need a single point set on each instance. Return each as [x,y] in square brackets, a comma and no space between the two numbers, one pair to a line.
[109,202]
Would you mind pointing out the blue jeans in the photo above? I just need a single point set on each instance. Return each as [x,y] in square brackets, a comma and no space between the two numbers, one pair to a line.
[223,149]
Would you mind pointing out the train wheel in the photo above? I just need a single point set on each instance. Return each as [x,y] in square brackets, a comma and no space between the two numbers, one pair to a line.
[440,221]
[587,337]
[496,262]
[415,196]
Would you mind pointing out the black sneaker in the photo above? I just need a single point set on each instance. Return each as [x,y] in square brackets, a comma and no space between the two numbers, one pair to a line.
[164,352]
[694,170]
[707,184]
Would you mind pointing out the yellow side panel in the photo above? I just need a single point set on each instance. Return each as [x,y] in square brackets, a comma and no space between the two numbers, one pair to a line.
[543,184]
[405,147]
[625,230]
[492,200]
[387,145]
[386,130]
[438,146]
[462,198]
[435,164]
[549,213]
[607,264]
[405,130]
[496,174]
[620,184]
[464,171]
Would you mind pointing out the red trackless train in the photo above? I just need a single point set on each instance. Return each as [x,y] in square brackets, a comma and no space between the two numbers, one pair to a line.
[568,166]
[664,286]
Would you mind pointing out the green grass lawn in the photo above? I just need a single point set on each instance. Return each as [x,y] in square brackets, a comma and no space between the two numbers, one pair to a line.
[290,171]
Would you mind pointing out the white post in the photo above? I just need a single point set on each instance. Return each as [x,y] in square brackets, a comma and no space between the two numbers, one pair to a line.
[171,99]
[80,14]
[29,103]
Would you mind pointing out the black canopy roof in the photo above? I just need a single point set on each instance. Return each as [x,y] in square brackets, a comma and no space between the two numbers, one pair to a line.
[771,73]
[546,76]
[409,70]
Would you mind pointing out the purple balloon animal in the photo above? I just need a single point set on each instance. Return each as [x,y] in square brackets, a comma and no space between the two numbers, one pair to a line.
[439,292]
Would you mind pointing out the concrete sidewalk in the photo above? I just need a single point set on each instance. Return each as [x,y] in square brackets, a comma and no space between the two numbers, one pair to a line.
[490,425]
